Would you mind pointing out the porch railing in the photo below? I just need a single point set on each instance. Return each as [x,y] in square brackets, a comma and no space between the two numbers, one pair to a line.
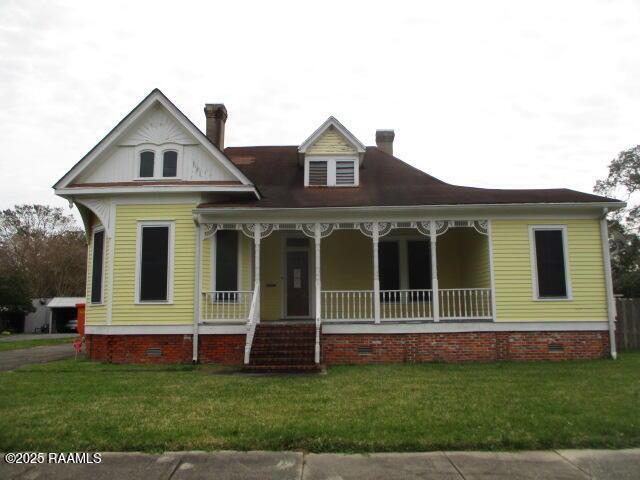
[399,305]
[405,305]
[226,306]
[463,303]
[347,304]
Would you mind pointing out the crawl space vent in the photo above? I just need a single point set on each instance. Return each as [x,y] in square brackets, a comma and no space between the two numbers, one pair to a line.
[556,347]
[154,352]
[365,351]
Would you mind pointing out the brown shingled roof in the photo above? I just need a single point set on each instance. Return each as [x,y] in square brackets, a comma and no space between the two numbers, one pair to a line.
[384,181]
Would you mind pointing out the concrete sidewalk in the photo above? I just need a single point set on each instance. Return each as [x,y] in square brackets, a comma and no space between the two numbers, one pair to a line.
[561,464]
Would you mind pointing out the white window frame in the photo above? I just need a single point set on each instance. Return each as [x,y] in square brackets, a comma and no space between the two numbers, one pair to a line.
[158,161]
[104,253]
[212,267]
[170,265]
[331,169]
[534,262]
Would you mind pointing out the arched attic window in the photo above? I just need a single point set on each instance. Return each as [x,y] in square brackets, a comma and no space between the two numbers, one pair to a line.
[147,160]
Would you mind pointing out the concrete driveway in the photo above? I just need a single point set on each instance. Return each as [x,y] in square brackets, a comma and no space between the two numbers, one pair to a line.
[12,359]
[34,336]
[563,464]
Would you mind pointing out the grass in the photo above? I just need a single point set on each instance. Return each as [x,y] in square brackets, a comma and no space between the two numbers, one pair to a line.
[19,344]
[76,406]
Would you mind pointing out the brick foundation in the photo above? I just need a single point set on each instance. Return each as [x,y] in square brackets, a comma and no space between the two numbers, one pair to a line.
[223,349]
[463,347]
[363,348]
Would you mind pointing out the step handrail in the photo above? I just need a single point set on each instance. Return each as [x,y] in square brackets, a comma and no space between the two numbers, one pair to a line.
[252,322]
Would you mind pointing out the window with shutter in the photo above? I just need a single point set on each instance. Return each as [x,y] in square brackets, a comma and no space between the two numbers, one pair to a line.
[345,172]
[317,173]
[550,263]
[97,266]
[153,263]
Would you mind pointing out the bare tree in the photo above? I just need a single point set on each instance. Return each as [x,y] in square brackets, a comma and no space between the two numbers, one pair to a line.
[46,247]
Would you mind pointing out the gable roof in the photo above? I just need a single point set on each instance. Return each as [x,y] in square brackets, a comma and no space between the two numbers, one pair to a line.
[384,181]
[155,97]
[332,122]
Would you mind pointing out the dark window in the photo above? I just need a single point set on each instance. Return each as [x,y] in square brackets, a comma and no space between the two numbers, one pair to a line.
[226,260]
[419,259]
[154,263]
[96,267]
[389,265]
[550,263]
[318,173]
[146,164]
[170,164]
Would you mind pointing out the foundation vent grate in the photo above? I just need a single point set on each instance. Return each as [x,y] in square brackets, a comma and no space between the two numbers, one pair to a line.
[154,352]
[365,350]
[556,347]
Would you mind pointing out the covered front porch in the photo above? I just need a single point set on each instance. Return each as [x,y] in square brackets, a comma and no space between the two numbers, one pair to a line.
[365,272]
[335,273]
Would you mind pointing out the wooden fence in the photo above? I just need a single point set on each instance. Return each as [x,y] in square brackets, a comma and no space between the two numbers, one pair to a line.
[628,323]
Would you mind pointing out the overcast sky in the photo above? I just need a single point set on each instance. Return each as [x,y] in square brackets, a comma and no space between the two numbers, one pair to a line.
[492,94]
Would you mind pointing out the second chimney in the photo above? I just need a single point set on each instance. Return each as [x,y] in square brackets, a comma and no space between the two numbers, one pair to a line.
[384,140]
[216,114]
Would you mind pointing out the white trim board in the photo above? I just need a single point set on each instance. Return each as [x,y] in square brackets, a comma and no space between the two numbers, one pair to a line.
[342,329]
[186,329]
[451,327]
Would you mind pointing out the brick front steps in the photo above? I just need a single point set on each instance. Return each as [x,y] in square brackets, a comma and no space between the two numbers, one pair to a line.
[283,348]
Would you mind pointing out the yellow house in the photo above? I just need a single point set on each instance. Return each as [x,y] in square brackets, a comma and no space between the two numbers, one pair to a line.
[289,257]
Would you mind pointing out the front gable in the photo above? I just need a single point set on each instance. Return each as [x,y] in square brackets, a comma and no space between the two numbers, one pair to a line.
[155,126]
[331,142]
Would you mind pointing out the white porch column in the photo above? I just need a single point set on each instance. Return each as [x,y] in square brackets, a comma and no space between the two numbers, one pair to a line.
[376,273]
[257,234]
[317,239]
[198,292]
[434,272]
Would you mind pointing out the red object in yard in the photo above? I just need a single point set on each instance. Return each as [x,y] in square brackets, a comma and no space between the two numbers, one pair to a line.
[80,316]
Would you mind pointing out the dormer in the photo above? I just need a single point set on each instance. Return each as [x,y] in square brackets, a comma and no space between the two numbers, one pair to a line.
[332,156]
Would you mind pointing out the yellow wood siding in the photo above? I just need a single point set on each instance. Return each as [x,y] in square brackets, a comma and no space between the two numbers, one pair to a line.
[180,311]
[513,278]
[331,142]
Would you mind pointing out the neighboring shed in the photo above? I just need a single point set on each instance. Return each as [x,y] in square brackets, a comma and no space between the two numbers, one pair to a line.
[34,321]
[61,311]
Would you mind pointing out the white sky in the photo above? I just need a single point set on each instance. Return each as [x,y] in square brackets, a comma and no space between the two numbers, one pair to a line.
[493,94]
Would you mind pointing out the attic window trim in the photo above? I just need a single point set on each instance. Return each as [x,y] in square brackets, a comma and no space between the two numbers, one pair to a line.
[332,162]
[158,163]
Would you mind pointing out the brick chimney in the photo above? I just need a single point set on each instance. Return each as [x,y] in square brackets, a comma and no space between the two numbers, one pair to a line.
[384,140]
[216,114]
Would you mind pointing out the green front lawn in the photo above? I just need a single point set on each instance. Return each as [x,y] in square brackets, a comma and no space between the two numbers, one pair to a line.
[76,406]
[19,344]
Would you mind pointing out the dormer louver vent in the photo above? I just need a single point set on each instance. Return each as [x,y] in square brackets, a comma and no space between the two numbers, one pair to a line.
[317,173]
[345,173]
